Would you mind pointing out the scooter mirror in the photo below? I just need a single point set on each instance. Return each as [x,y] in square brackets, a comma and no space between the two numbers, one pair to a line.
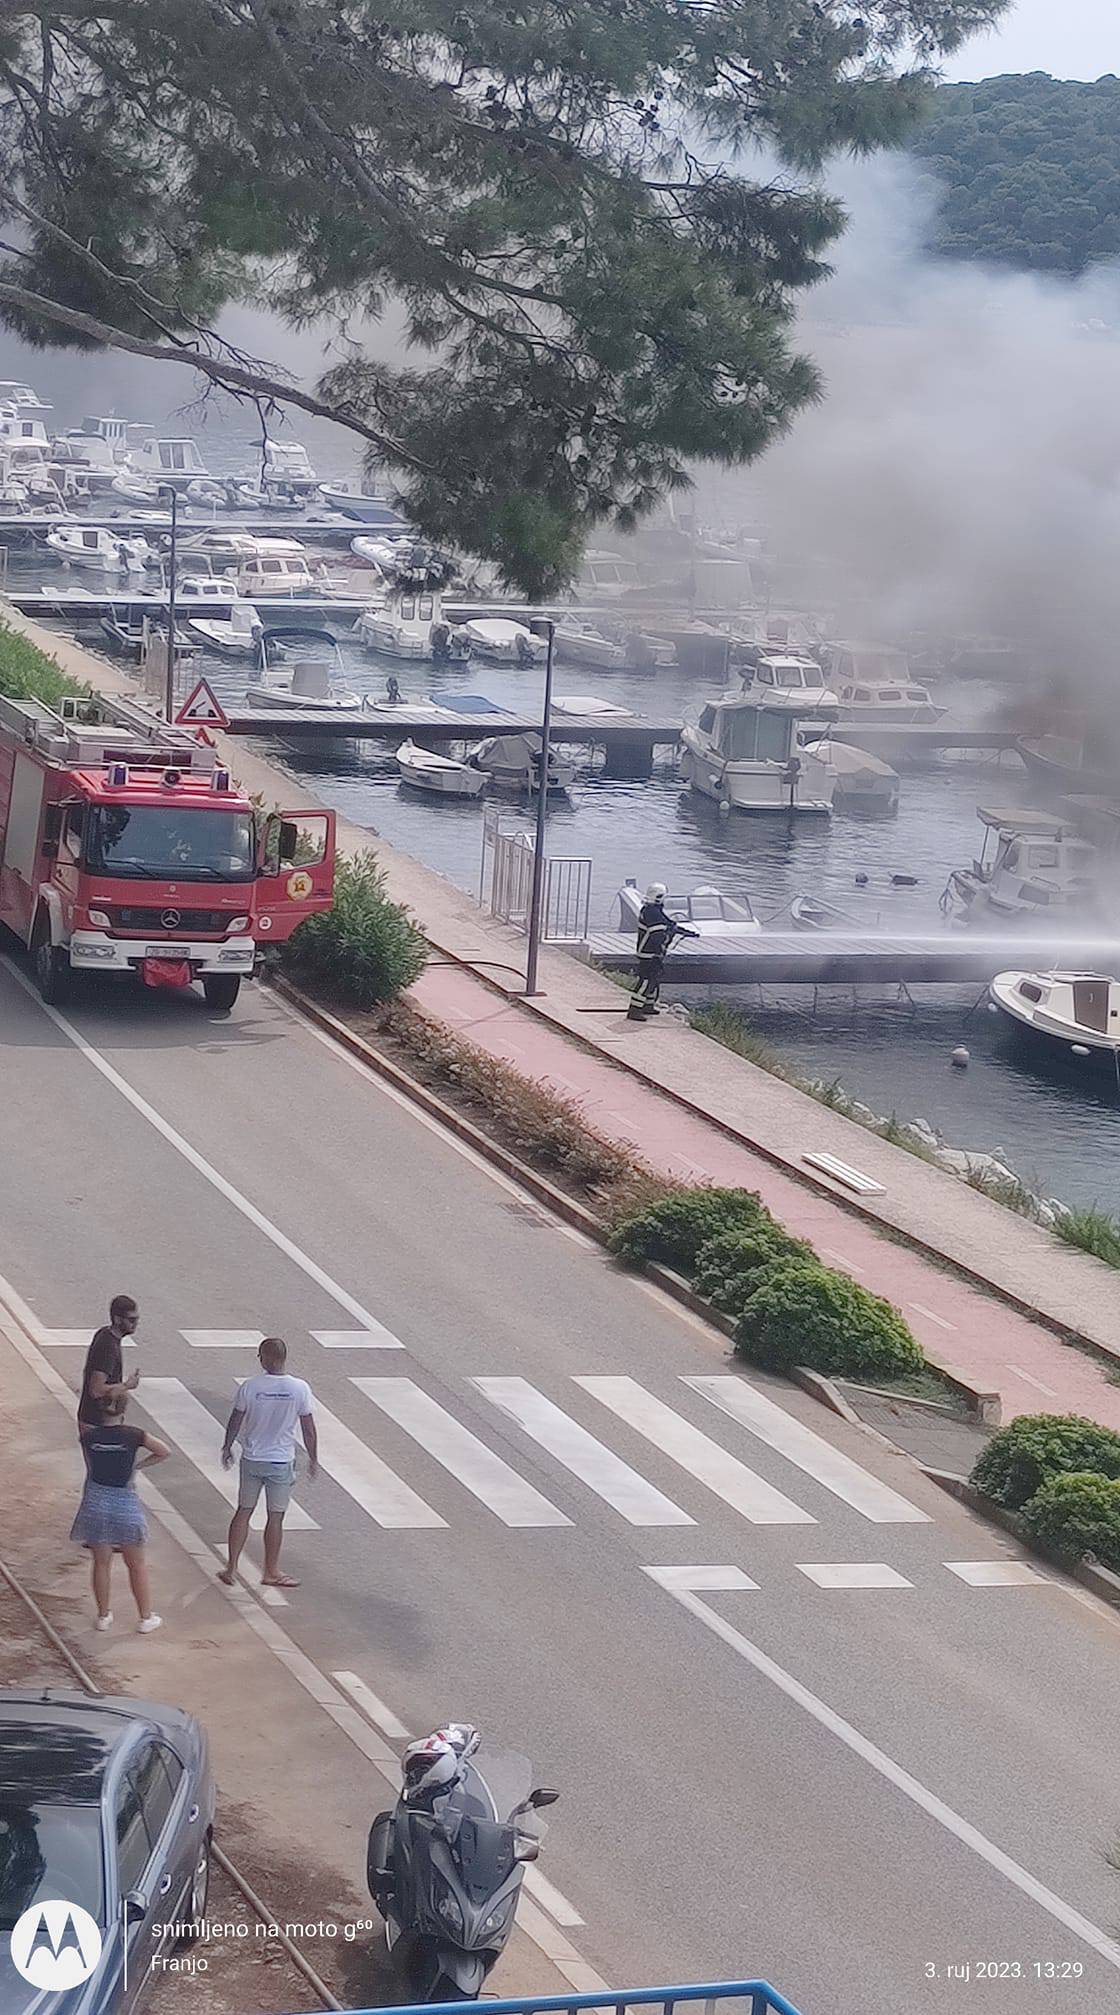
[542,1797]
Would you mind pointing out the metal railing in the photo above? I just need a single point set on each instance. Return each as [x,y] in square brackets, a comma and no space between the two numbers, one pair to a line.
[506,883]
[756,1996]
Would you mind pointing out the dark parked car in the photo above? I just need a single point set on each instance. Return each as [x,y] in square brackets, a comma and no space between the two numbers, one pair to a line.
[106,1805]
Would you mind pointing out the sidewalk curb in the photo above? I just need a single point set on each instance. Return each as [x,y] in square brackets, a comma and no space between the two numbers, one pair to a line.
[673,1284]
[1100,1580]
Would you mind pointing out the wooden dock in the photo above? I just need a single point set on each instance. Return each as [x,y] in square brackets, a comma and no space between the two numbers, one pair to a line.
[854,958]
[628,741]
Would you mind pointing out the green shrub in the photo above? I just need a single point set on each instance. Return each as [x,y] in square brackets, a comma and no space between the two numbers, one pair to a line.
[728,1268]
[1078,1513]
[365,949]
[1093,1230]
[26,673]
[805,1314]
[674,1230]
[1023,1456]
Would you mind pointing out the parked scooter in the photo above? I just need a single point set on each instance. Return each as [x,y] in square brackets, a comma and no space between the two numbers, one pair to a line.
[445,1867]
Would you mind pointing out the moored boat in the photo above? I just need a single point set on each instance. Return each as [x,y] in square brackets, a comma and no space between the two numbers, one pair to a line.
[441,776]
[744,753]
[1071,1013]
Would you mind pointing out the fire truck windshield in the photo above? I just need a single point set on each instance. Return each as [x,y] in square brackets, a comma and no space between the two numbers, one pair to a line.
[169,843]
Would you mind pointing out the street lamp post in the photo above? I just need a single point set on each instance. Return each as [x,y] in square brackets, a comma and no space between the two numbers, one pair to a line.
[169,490]
[537,891]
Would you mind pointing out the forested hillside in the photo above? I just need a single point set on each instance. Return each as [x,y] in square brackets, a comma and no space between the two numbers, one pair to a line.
[1030,168]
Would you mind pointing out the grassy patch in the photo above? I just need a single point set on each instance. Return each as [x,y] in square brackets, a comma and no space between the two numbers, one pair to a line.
[26,673]
[726,1026]
[1093,1230]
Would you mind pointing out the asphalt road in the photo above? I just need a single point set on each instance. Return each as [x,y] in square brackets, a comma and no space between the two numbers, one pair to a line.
[857,1791]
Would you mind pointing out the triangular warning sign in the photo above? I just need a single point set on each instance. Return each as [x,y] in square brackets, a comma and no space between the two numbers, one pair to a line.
[201,709]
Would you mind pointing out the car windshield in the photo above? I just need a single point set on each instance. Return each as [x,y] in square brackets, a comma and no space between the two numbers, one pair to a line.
[48,1850]
[162,842]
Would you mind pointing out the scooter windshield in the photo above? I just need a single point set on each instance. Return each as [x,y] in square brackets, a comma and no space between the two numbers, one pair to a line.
[482,1821]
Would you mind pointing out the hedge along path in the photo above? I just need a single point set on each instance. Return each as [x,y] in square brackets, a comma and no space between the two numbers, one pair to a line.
[792,1309]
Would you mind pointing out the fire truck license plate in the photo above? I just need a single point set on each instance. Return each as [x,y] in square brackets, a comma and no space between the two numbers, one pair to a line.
[163,952]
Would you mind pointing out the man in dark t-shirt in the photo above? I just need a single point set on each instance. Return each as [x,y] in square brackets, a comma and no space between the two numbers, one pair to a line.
[104,1386]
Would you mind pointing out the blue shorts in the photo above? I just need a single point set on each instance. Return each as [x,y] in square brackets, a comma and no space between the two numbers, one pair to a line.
[274,1478]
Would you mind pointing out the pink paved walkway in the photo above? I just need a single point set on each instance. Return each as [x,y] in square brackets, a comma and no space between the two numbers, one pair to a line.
[959,1327]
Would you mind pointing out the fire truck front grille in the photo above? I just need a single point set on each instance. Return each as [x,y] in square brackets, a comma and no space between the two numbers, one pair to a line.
[190,922]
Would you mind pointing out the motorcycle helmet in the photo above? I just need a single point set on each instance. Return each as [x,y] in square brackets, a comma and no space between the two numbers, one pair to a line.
[463,1737]
[428,1767]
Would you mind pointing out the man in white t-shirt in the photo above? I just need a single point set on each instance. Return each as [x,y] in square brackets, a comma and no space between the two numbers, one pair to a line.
[265,1411]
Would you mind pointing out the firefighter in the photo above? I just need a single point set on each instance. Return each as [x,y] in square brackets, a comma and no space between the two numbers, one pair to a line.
[656,931]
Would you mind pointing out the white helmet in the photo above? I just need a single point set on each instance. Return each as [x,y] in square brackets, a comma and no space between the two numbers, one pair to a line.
[429,1766]
[656,892]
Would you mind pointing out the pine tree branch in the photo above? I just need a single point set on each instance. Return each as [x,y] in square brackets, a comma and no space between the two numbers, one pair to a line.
[228,376]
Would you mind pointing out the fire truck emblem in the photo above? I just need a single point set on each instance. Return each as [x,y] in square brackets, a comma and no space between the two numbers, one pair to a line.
[171,919]
[300,885]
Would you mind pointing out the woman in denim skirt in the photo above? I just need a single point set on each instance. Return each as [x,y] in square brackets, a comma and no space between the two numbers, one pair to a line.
[111,1517]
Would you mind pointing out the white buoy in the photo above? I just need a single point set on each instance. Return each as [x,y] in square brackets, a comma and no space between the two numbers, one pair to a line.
[1079,1049]
[960,1058]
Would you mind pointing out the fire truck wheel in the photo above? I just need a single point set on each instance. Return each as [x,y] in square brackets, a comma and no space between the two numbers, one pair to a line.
[52,967]
[221,990]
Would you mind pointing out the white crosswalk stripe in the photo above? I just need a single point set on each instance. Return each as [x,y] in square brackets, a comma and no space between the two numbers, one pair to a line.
[444,1438]
[75,1339]
[194,1429]
[789,1437]
[356,1339]
[369,1481]
[602,1471]
[710,1464]
[223,1339]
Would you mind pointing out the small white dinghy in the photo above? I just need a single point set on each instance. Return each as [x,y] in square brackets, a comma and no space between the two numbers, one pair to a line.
[440,776]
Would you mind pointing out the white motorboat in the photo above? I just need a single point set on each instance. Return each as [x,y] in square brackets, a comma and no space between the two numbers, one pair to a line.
[174,462]
[204,491]
[302,670]
[376,512]
[578,642]
[864,783]
[205,595]
[1071,1013]
[286,466]
[131,636]
[16,426]
[441,776]
[515,761]
[606,577]
[744,753]
[785,679]
[235,637]
[705,910]
[411,626]
[14,393]
[95,546]
[88,456]
[1031,865]
[270,574]
[503,642]
[225,549]
[873,684]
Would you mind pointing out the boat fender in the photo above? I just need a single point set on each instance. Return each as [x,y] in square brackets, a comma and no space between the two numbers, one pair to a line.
[904,881]
[960,1058]
[862,881]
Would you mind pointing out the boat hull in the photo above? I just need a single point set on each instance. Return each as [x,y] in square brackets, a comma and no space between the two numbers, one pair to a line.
[1062,1041]
[760,788]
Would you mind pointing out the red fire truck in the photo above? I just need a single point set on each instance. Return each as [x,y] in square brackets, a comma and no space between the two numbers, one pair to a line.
[125,848]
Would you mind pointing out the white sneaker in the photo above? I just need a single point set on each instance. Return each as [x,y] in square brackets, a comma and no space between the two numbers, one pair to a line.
[149,1623]
[104,1622]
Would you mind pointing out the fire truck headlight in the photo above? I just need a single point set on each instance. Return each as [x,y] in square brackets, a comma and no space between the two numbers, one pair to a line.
[238,924]
[99,920]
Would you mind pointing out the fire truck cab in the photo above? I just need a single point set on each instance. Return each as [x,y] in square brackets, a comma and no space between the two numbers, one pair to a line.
[126,848]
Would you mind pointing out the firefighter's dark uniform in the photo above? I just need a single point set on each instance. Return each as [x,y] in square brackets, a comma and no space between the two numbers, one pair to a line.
[656,932]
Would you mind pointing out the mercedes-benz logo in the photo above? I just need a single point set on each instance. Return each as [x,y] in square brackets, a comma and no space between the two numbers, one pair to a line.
[171,920]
